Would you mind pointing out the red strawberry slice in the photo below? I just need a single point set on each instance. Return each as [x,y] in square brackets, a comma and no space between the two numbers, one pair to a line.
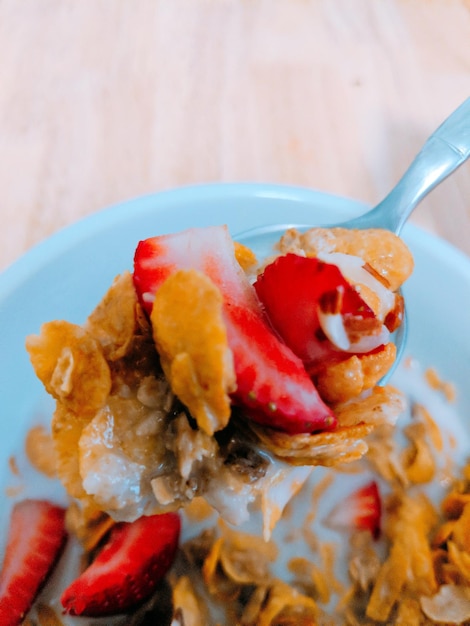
[360,510]
[35,539]
[271,381]
[127,570]
[316,311]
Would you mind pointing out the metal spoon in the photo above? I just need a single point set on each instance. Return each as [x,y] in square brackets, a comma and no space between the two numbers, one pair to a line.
[445,150]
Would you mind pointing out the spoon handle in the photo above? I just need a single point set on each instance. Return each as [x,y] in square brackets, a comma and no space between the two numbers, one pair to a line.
[445,150]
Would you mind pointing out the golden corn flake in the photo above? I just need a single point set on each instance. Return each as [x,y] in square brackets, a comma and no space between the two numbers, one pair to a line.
[410,564]
[364,562]
[191,338]
[71,366]
[409,613]
[244,558]
[113,322]
[379,406]
[435,382]
[328,448]
[245,257]
[460,560]
[39,448]
[283,606]
[453,504]
[461,530]
[188,604]
[13,465]
[418,458]
[66,432]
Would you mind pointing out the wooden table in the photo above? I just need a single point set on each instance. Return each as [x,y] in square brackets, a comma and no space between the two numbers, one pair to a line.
[104,100]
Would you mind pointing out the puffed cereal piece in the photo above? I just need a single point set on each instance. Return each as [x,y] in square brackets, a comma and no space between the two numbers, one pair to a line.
[191,338]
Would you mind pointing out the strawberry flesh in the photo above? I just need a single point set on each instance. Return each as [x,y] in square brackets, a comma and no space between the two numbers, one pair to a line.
[35,539]
[360,510]
[272,383]
[128,568]
[295,291]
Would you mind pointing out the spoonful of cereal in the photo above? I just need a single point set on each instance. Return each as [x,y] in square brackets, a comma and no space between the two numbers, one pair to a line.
[372,238]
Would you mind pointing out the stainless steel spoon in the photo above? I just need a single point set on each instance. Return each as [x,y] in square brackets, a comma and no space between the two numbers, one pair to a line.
[445,150]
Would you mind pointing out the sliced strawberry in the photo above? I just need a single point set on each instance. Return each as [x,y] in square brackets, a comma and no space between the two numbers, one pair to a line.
[360,510]
[316,311]
[35,538]
[271,381]
[128,568]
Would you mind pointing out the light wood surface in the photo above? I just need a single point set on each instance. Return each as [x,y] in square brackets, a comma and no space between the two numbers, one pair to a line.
[104,100]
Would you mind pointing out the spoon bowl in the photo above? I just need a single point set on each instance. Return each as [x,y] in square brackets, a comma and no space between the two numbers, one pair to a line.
[444,152]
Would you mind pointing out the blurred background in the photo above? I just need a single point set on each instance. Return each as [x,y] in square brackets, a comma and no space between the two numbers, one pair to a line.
[104,100]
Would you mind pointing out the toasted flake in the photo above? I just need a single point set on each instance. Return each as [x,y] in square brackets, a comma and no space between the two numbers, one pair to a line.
[436,382]
[191,338]
[461,530]
[342,445]
[188,604]
[380,405]
[246,258]
[114,320]
[410,563]
[71,366]
[461,560]
[388,584]
[409,613]
[364,562]
[13,465]
[454,503]
[418,458]
[66,432]
[39,448]
[244,558]
[285,605]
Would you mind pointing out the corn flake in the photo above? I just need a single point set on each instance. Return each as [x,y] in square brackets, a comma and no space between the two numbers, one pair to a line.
[191,338]
[113,321]
[71,366]
[39,448]
[188,604]
[245,257]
